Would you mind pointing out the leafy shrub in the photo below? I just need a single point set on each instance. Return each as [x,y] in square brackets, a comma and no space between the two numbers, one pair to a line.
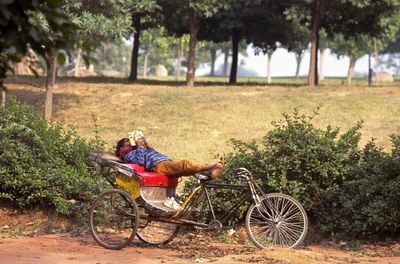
[345,189]
[369,203]
[43,165]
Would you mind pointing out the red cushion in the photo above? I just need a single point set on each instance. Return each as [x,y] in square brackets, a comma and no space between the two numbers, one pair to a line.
[153,178]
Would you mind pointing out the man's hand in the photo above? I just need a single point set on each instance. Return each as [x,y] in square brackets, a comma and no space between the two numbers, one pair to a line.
[147,145]
[142,143]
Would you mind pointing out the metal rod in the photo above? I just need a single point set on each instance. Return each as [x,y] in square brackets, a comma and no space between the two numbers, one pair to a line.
[226,186]
[229,213]
[209,202]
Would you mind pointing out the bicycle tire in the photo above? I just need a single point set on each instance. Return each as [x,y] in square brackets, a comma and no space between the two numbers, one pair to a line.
[106,216]
[279,220]
[157,233]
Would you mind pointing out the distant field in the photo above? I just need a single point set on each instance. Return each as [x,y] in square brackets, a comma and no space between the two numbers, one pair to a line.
[195,123]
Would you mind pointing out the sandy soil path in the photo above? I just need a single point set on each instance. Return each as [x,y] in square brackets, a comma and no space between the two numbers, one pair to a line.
[69,249]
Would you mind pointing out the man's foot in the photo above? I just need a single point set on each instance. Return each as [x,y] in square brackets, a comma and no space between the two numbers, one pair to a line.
[170,202]
[218,168]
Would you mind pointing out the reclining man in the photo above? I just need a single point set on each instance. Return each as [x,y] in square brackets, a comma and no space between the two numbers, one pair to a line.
[136,149]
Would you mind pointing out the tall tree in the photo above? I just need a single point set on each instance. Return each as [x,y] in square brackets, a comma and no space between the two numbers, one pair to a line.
[346,17]
[323,46]
[157,48]
[226,51]
[51,63]
[353,48]
[268,51]
[230,24]
[180,43]
[86,17]
[315,25]
[179,13]
[144,14]
[113,55]
[266,26]
[24,22]
[297,36]
[392,48]
[213,49]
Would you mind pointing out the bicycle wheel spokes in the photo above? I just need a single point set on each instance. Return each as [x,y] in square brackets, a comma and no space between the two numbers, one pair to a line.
[113,219]
[279,220]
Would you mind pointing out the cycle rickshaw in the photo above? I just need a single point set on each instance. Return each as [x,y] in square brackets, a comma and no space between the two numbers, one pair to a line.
[119,214]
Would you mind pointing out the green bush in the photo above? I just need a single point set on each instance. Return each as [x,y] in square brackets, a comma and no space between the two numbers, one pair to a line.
[345,190]
[43,165]
[369,203]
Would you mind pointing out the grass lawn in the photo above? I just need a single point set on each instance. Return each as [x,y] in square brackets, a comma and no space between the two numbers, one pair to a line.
[195,123]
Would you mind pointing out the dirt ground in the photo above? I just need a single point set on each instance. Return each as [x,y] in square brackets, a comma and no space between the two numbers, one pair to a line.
[66,248]
[25,239]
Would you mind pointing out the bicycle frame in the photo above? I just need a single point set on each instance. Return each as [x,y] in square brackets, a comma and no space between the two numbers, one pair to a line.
[251,188]
[252,192]
[204,189]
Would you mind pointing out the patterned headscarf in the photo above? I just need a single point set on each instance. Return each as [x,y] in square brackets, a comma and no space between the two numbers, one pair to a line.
[123,147]
[123,151]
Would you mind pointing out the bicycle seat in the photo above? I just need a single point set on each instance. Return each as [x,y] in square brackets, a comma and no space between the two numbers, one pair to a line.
[202,177]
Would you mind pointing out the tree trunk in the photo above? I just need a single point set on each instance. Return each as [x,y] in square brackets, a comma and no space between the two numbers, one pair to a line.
[350,72]
[376,57]
[312,78]
[179,54]
[3,94]
[321,75]
[51,62]
[78,63]
[269,58]
[226,57]
[146,59]
[369,70]
[104,54]
[299,58]
[87,66]
[135,49]
[316,79]
[235,55]
[213,58]
[193,29]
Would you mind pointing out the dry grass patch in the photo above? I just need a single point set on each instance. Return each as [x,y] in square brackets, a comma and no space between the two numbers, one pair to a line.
[195,123]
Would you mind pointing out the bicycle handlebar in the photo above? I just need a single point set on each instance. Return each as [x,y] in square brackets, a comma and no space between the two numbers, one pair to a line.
[243,172]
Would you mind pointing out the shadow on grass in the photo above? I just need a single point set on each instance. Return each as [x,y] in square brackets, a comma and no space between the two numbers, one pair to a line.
[205,82]
[200,81]
[35,99]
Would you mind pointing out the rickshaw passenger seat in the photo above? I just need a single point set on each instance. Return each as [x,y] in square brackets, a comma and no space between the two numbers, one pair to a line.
[153,178]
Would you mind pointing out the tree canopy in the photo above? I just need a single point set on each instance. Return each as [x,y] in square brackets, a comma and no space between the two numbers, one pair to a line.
[265,24]
[41,24]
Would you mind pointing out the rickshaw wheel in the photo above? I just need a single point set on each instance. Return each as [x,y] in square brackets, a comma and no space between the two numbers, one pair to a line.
[114,219]
[154,232]
[279,220]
